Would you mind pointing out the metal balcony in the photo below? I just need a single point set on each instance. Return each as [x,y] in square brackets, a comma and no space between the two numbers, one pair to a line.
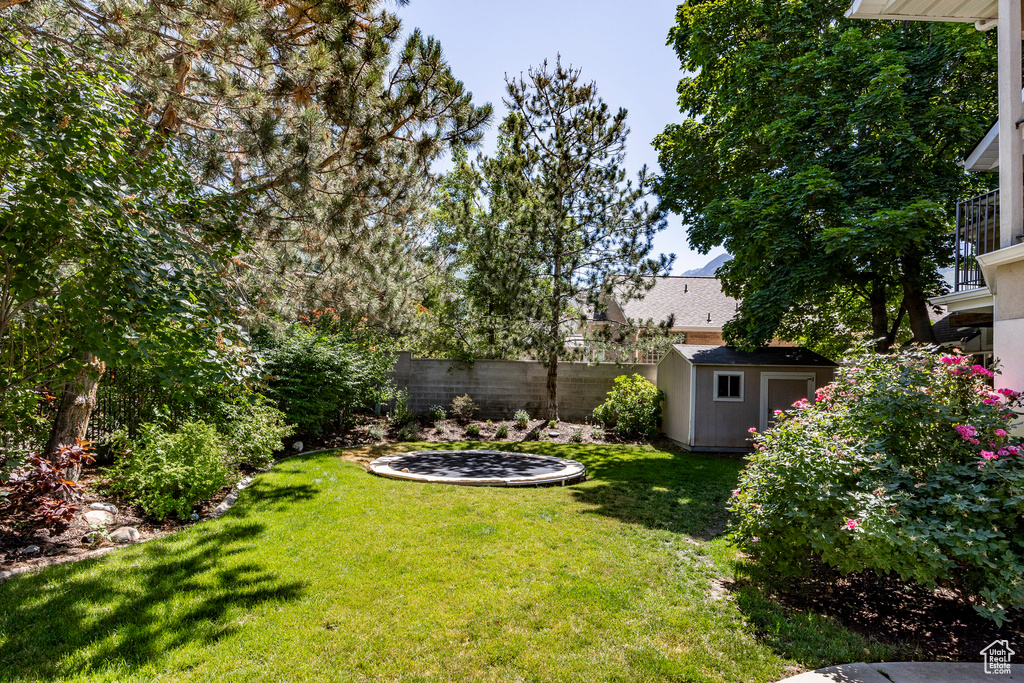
[977,233]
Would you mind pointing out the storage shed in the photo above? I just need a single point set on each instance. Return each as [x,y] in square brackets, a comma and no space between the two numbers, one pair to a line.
[715,394]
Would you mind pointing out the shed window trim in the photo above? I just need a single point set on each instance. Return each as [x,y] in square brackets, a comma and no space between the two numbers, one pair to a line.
[730,398]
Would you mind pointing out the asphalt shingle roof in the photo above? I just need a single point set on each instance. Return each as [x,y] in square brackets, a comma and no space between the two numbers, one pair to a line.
[769,355]
[690,299]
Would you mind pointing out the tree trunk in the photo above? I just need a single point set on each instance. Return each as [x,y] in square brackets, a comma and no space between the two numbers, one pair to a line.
[917,311]
[879,317]
[553,387]
[76,405]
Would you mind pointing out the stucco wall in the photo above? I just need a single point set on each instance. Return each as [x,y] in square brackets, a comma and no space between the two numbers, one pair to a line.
[501,388]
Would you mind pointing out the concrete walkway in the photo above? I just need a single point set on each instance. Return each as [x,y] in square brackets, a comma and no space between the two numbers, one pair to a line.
[908,672]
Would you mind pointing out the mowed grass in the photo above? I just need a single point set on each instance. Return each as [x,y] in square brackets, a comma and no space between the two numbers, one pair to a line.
[322,572]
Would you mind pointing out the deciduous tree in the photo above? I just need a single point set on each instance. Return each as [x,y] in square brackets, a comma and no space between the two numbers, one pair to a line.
[822,153]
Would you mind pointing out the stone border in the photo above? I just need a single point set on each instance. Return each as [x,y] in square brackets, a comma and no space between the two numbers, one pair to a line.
[215,513]
[571,472]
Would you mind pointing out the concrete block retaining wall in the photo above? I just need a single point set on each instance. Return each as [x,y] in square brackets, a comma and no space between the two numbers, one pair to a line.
[502,387]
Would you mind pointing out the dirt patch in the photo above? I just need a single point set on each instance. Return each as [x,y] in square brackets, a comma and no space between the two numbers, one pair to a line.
[936,622]
[376,431]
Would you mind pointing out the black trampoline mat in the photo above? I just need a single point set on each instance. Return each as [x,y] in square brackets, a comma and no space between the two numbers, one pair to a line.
[477,464]
[479,468]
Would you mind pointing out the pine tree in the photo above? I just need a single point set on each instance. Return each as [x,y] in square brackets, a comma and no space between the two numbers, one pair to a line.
[560,229]
[312,112]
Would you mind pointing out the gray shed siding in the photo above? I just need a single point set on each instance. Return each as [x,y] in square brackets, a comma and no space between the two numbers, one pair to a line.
[724,424]
[674,380]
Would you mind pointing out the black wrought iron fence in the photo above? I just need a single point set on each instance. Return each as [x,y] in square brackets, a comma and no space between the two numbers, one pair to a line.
[977,233]
[126,398]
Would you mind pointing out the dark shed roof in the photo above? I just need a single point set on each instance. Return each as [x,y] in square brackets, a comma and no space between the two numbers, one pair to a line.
[769,355]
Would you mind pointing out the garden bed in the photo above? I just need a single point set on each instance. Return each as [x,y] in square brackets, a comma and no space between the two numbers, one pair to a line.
[445,431]
[20,529]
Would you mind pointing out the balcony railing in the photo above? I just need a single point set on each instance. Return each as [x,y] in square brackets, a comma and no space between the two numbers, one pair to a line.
[977,233]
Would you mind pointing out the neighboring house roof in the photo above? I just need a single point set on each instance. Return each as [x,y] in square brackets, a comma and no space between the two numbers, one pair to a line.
[692,301]
[769,355]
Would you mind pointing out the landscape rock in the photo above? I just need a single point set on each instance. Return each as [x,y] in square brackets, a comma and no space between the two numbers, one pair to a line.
[92,537]
[125,534]
[31,550]
[109,507]
[297,446]
[554,434]
[99,517]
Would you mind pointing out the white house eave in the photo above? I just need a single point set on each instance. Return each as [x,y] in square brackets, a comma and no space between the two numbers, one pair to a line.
[981,12]
[971,300]
[985,157]
[1000,257]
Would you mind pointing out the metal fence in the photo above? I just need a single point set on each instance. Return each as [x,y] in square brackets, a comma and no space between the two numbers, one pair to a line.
[977,233]
[125,399]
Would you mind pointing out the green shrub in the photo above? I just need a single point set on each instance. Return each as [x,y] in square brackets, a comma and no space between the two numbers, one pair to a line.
[401,414]
[633,407]
[552,424]
[576,436]
[172,471]
[597,433]
[463,408]
[903,466]
[473,431]
[376,433]
[254,434]
[320,378]
[501,432]
[521,418]
[439,427]
[436,413]
[408,432]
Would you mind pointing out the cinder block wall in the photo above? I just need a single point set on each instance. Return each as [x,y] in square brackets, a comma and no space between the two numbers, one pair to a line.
[502,387]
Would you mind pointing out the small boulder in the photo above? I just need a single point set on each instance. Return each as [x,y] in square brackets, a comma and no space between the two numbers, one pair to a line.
[31,550]
[554,434]
[109,507]
[125,534]
[93,537]
[297,446]
[99,517]
[194,517]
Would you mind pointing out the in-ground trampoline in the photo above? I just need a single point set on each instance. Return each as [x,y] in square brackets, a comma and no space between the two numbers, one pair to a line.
[480,468]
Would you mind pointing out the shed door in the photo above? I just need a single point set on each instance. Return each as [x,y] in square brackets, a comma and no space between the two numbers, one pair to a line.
[780,390]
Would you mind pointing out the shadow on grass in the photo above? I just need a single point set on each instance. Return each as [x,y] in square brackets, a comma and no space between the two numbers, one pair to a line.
[680,492]
[176,591]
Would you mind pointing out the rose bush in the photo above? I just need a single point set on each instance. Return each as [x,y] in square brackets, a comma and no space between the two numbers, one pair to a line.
[904,465]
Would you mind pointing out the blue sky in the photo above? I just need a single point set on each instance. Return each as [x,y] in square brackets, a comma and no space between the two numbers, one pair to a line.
[619,45]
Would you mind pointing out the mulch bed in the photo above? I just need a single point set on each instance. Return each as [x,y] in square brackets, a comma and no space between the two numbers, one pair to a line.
[451,430]
[19,528]
[936,623]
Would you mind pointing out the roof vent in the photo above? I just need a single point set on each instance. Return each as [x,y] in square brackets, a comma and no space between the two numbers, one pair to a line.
[709,317]
[686,288]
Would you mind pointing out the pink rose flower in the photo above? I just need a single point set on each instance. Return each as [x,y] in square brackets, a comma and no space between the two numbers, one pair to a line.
[989,455]
[851,524]
[1000,432]
[735,492]
[752,430]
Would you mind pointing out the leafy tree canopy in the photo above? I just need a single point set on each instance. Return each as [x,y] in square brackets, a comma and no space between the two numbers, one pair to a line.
[106,245]
[822,153]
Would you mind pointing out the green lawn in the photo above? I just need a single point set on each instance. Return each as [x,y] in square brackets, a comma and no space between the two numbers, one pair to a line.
[323,572]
